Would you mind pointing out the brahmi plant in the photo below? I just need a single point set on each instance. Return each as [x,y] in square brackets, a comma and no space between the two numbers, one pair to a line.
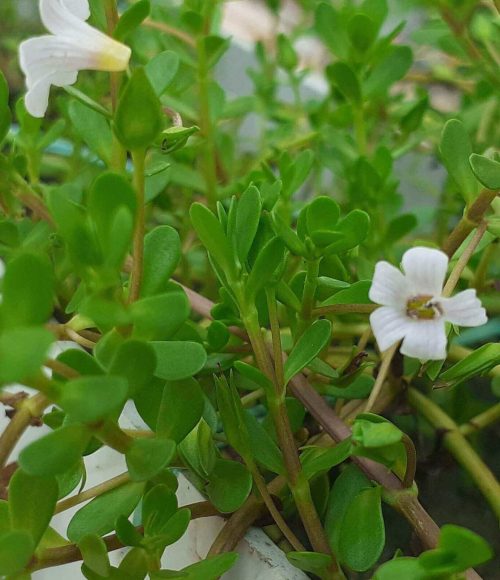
[297,290]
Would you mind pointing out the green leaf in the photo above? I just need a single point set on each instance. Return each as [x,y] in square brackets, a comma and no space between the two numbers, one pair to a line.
[331,27]
[109,193]
[317,460]
[127,533]
[147,457]
[28,290]
[268,261]
[229,485]
[309,345]
[362,535]
[295,171]
[310,562]
[360,388]
[399,227]
[135,361]
[341,75]
[247,221]
[408,568]
[456,149]
[95,554]
[211,568]
[159,317]
[232,416]
[56,452]
[486,170]
[4,90]
[455,538]
[91,398]
[138,118]
[354,229]
[175,528]
[212,236]
[159,505]
[478,362]
[288,236]
[321,218]
[370,434]
[32,500]
[93,128]
[286,55]
[16,549]
[5,121]
[263,447]
[161,70]
[181,408]
[99,516]
[357,293]
[131,19]
[218,335]
[362,32]
[255,375]
[393,66]
[162,252]
[22,352]
[347,485]
[178,359]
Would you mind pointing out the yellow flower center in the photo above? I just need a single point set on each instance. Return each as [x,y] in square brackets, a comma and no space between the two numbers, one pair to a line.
[422,308]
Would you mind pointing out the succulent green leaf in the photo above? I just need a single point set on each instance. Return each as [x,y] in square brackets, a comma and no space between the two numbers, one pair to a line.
[229,485]
[309,345]
[99,516]
[178,359]
[147,457]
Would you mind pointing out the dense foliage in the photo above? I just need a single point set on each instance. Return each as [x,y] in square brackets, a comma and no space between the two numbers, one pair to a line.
[206,233]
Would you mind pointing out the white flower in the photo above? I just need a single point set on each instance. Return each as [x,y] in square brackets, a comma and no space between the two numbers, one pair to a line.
[73,46]
[413,309]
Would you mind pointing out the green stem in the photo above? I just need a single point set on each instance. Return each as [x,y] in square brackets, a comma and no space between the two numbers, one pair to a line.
[276,339]
[206,124]
[469,221]
[458,445]
[139,158]
[111,434]
[485,419]
[27,411]
[92,492]
[298,484]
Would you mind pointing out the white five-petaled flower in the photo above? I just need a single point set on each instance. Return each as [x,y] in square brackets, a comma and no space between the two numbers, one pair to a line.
[413,308]
[74,45]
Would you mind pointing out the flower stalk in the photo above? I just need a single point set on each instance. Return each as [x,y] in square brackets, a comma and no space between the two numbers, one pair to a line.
[139,159]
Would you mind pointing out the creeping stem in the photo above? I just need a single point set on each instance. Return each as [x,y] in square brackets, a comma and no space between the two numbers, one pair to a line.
[458,445]
[138,158]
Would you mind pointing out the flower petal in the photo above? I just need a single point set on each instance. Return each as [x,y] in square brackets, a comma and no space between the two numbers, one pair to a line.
[389,326]
[464,309]
[425,340]
[36,99]
[389,286]
[425,270]
[80,8]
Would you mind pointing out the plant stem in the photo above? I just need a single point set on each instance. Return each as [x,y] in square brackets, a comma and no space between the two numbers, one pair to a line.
[171,31]
[458,445]
[111,434]
[71,553]
[277,517]
[92,492]
[299,485]
[472,218]
[382,375]
[27,410]
[344,309]
[276,339]
[411,461]
[139,158]
[463,260]
[206,124]
[484,419]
